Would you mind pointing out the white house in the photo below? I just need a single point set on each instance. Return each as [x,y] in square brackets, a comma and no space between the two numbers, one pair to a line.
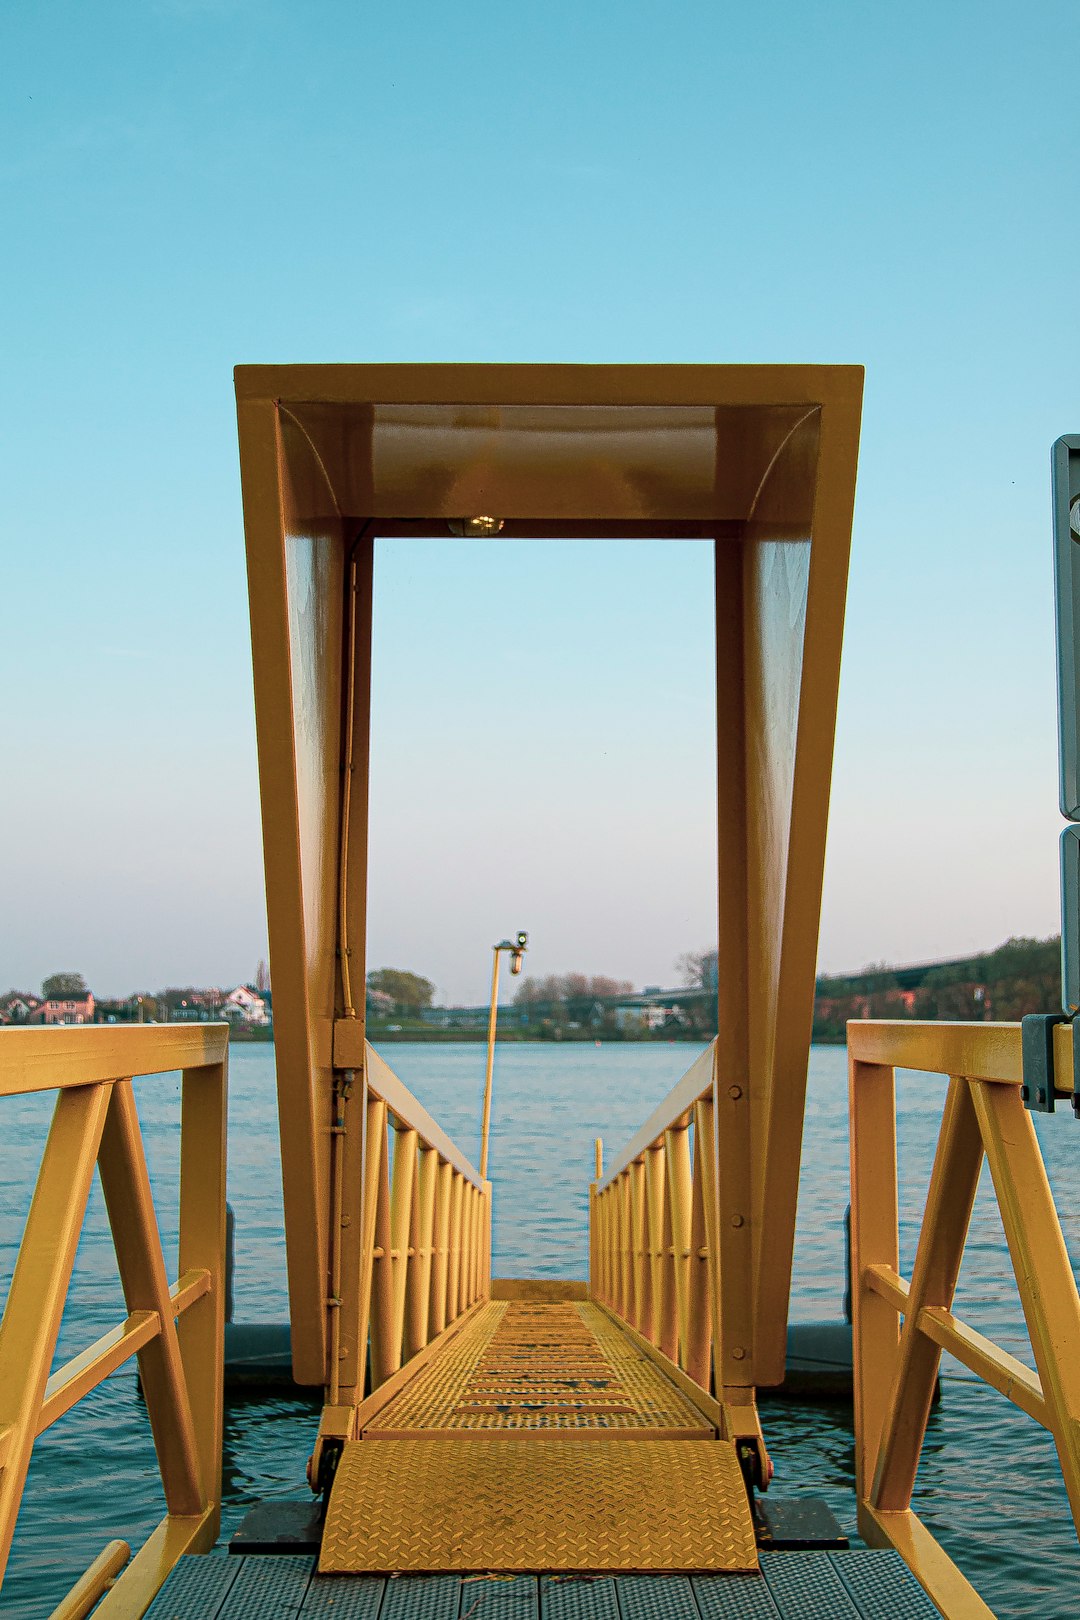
[245,1006]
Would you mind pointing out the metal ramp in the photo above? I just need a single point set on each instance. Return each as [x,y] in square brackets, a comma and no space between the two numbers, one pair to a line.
[502,1454]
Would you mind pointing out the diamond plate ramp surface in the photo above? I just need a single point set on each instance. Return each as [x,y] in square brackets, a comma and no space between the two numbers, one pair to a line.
[490,1503]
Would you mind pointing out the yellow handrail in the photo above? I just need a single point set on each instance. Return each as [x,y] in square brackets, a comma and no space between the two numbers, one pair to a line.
[91,1587]
[895,1369]
[667,1263]
[425,1239]
[177,1332]
[413,1258]
[652,1218]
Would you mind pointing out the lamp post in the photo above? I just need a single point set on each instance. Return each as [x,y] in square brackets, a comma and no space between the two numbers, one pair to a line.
[517,949]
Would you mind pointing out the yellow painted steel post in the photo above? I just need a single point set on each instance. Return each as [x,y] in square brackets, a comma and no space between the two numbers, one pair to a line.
[626,1258]
[468,1233]
[664,1300]
[382,1276]
[35,1301]
[477,1242]
[608,1257]
[476,1237]
[486,1279]
[125,1182]
[641,1308]
[874,1241]
[416,1281]
[493,1016]
[1041,1263]
[427,1188]
[946,1217]
[401,1205]
[440,1271]
[201,1329]
[351,1235]
[453,1292]
[596,1287]
[702,1293]
[655,1195]
[374,1152]
[677,1148]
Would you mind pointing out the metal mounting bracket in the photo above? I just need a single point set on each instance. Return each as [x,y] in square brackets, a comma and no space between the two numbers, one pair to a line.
[1037,1051]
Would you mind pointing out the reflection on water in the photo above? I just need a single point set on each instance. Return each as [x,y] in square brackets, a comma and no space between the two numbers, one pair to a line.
[94,1475]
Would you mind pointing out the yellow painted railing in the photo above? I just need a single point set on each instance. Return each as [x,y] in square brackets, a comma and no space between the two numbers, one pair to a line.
[896,1367]
[653,1227]
[177,1331]
[670,1255]
[426,1240]
[410,1248]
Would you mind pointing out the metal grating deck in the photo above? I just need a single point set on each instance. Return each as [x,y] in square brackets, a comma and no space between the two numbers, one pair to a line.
[859,1585]
[525,1368]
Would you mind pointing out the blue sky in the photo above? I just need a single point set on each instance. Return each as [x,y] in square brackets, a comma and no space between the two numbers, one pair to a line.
[187,185]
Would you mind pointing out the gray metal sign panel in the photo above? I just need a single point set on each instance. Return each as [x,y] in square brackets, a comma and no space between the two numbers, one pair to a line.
[1070,918]
[1066,495]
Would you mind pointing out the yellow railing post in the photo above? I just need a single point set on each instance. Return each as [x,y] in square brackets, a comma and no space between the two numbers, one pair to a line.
[401,1210]
[874,1241]
[39,1284]
[949,1203]
[125,1182]
[1041,1264]
[677,1148]
[201,1330]
[441,1269]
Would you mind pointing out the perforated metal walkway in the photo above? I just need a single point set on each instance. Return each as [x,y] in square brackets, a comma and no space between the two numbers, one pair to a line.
[855,1585]
[527,1368]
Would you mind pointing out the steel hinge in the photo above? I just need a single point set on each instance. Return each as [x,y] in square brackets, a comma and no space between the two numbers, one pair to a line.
[1037,1054]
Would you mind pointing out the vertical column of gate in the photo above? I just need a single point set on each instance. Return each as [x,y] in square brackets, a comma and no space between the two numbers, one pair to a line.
[793,583]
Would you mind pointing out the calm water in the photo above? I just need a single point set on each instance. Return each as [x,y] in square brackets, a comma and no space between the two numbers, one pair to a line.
[989,1486]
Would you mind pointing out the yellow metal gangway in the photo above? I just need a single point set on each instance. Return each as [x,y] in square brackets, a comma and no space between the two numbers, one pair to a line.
[758,463]
[502,1427]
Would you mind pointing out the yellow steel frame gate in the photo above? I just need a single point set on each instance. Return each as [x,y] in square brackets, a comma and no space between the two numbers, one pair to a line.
[176,1330]
[896,1368]
[758,462]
